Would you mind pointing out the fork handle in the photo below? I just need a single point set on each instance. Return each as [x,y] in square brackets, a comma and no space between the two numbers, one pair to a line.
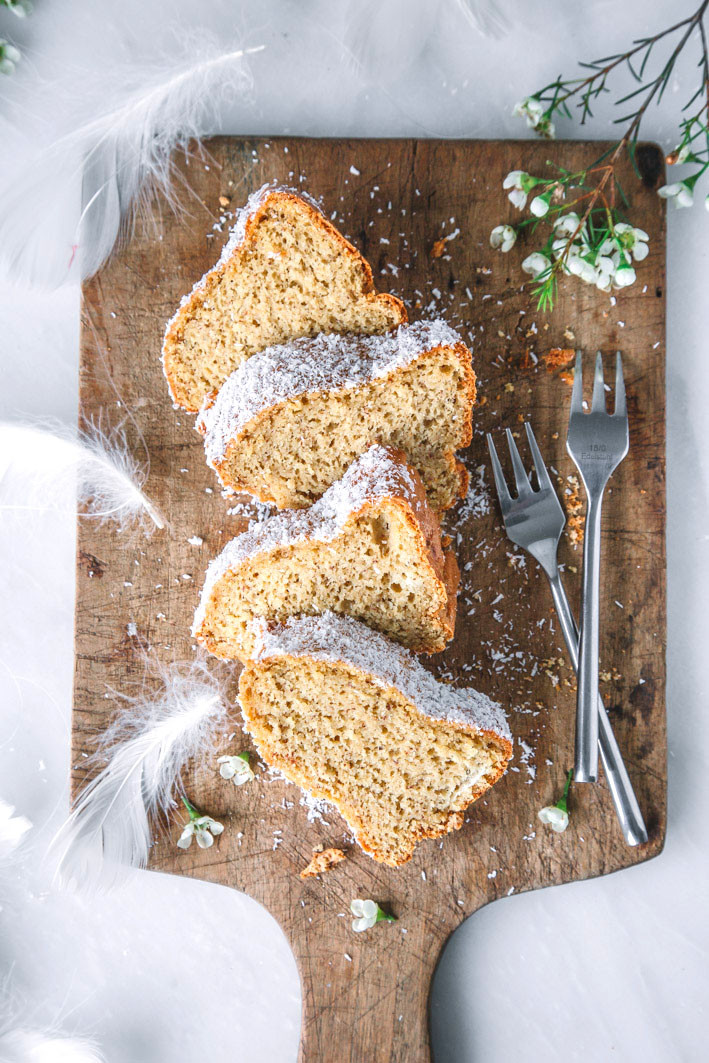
[624,800]
[586,762]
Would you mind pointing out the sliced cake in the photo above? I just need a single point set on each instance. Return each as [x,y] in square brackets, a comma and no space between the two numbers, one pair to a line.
[291,420]
[284,272]
[355,720]
[370,547]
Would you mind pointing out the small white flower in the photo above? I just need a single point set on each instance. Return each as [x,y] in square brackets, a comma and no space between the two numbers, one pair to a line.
[236,768]
[535,113]
[567,224]
[9,57]
[557,818]
[366,914]
[203,828]
[706,203]
[581,268]
[503,237]
[530,109]
[680,191]
[540,205]
[520,184]
[12,829]
[624,275]
[633,240]
[536,264]
[21,8]
[606,265]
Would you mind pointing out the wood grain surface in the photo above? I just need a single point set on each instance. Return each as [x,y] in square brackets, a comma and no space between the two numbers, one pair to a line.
[365,996]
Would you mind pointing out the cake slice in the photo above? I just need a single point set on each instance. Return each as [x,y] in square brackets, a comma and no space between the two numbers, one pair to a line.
[371,547]
[284,272]
[289,422]
[355,720]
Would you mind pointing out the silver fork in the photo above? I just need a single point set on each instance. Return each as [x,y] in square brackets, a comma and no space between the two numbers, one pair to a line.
[534,520]
[597,442]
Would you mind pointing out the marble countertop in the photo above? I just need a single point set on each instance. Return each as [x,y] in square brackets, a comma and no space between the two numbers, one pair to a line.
[179,970]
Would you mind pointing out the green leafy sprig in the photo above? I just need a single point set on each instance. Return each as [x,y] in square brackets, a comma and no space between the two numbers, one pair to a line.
[590,236]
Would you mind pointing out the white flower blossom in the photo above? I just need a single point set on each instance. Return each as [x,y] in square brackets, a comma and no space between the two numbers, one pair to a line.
[9,57]
[567,224]
[540,205]
[520,184]
[530,109]
[680,191]
[536,264]
[503,237]
[579,267]
[535,113]
[12,829]
[557,818]
[21,8]
[624,275]
[236,768]
[366,914]
[633,240]
[203,828]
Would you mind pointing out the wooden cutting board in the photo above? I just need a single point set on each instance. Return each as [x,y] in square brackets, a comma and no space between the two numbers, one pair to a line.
[365,996]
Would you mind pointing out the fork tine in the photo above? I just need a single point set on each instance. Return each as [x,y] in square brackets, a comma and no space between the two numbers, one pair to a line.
[500,482]
[541,469]
[620,408]
[521,478]
[598,402]
[577,390]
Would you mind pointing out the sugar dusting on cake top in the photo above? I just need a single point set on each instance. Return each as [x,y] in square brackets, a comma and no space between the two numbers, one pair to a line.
[331,637]
[377,474]
[326,362]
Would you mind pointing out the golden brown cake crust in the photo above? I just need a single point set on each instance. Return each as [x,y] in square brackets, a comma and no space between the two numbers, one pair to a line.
[205,288]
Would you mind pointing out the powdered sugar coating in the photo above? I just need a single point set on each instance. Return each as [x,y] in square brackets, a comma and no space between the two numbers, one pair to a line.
[327,362]
[376,474]
[335,638]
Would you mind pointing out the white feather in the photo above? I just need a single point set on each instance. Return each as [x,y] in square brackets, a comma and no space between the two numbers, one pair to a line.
[121,155]
[39,466]
[31,1046]
[388,39]
[146,748]
[12,829]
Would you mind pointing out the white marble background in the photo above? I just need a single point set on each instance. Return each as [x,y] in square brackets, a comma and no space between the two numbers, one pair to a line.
[173,970]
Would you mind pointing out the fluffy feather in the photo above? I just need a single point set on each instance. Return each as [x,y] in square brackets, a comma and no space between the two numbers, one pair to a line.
[31,1046]
[12,829]
[388,39]
[122,154]
[39,464]
[146,748]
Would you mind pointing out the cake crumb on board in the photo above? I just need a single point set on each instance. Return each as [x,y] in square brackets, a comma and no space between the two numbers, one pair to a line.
[322,861]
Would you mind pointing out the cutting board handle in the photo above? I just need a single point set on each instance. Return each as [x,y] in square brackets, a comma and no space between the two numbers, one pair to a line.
[373,1005]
